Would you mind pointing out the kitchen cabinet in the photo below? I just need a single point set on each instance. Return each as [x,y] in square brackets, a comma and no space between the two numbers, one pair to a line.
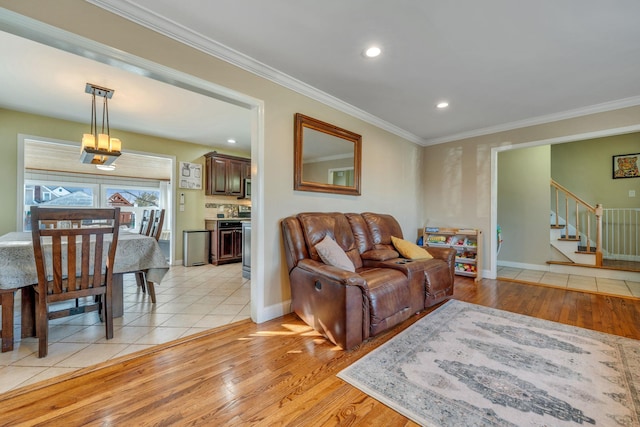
[225,174]
[225,241]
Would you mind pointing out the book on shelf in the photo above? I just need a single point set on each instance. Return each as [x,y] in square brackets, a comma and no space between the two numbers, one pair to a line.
[467,231]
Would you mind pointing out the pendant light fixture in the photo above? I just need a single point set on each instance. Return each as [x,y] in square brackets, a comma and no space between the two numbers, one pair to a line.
[99,148]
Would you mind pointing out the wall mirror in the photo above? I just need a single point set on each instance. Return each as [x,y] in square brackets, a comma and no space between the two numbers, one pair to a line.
[326,157]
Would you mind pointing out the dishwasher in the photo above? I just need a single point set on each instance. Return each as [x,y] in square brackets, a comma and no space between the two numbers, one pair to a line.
[195,245]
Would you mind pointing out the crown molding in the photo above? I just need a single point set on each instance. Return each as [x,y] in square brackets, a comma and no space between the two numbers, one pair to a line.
[175,31]
[540,120]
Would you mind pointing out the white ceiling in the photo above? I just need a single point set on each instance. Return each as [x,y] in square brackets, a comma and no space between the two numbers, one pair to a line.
[501,64]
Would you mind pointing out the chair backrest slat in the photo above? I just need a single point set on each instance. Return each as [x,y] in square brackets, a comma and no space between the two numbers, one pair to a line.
[97,261]
[156,224]
[56,259]
[147,222]
[71,256]
[84,272]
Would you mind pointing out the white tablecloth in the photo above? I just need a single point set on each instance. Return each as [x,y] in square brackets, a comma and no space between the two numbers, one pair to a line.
[134,253]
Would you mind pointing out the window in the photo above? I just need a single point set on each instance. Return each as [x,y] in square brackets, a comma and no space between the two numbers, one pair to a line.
[52,194]
[132,201]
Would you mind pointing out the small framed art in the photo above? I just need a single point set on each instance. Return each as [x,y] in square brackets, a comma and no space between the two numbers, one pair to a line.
[190,176]
[626,166]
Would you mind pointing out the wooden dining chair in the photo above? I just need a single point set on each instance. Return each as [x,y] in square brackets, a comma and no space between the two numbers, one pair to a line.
[157,221]
[154,230]
[73,264]
[146,222]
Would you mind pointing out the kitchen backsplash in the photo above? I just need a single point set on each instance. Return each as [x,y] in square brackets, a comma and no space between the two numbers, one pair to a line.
[215,205]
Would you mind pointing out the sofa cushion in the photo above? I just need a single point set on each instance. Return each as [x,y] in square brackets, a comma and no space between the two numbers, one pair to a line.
[389,297]
[331,253]
[316,225]
[409,250]
[381,228]
[379,255]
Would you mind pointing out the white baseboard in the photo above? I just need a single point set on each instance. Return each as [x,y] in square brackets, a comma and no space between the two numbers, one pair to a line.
[486,274]
[273,311]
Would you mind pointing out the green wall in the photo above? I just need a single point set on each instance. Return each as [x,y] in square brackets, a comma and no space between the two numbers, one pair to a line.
[585,168]
[523,204]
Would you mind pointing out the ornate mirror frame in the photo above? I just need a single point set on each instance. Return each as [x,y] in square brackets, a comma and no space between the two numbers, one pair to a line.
[304,124]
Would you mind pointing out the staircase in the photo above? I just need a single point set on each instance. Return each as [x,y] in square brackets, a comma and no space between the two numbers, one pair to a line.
[575,228]
[570,247]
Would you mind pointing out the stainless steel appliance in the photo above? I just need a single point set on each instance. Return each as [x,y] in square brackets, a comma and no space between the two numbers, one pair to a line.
[246,249]
[195,244]
[246,189]
[244,211]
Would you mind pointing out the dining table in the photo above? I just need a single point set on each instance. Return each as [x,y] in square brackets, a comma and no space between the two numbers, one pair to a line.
[134,252]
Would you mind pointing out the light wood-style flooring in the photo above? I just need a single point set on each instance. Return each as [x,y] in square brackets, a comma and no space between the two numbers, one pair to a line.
[276,373]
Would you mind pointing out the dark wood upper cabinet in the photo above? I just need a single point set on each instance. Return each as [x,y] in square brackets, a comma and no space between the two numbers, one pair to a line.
[225,174]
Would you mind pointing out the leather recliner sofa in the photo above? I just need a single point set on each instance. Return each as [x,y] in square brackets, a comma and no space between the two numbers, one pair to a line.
[350,307]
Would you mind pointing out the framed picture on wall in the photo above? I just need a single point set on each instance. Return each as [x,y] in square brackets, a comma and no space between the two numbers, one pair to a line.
[626,166]
[190,176]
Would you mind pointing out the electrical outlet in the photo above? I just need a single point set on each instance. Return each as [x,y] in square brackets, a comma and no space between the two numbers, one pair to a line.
[181,208]
[632,193]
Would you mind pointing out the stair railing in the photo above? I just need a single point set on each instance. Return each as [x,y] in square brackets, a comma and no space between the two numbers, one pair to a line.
[581,207]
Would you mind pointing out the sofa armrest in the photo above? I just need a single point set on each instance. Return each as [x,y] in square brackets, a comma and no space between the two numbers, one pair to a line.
[332,273]
[448,255]
[334,302]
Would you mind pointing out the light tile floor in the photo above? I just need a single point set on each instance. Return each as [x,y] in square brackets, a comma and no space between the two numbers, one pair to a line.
[571,281]
[189,300]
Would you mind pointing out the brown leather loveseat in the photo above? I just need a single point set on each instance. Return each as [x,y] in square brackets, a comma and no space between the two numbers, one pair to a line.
[346,306]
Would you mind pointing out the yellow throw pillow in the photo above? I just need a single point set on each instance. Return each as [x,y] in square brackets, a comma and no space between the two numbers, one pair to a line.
[410,250]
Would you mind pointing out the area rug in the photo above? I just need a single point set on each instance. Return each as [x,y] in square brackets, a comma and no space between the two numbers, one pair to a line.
[468,365]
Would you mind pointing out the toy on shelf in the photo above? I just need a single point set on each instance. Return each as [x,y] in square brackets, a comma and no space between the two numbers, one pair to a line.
[466,241]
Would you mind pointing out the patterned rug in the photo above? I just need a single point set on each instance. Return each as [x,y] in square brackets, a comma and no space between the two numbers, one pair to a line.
[468,365]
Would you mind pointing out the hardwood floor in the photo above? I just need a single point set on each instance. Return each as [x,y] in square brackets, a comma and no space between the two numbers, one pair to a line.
[276,373]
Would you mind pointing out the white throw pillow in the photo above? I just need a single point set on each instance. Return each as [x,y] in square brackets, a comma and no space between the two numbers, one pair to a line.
[331,253]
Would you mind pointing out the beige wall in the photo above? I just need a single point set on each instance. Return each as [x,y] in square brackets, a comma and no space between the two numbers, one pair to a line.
[390,165]
[523,204]
[585,168]
[457,175]
[319,171]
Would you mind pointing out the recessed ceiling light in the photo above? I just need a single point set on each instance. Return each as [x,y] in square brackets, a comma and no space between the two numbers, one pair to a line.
[372,52]
[231,141]
[441,105]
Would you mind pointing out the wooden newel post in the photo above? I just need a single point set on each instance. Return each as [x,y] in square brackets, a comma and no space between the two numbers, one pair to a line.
[599,211]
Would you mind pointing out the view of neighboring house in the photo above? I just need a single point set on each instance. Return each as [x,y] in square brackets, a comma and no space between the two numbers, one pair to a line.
[130,202]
